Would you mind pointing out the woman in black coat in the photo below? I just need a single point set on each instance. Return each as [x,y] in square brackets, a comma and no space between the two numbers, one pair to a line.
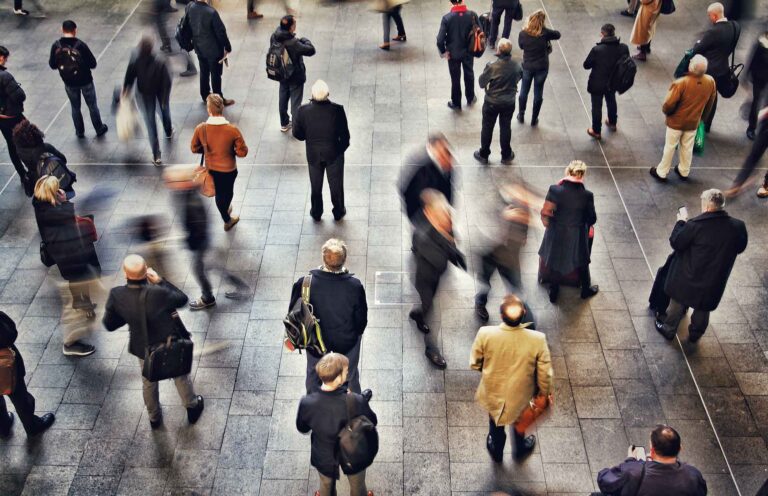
[30,145]
[568,216]
[535,42]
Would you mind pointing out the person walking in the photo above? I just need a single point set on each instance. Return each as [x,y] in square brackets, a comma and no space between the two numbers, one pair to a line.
[433,169]
[322,124]
[209,37]
[292,89]
[753,159]
[601,61]
[705,251]
[631,10]
[148,296]
[220,143]
[74,61]
[22,400]
[499,80]
[34,151]
[757,72]
[508,8]
[690,98]
[645,27]
[452,44]
[338,302]
[535,40]
[516,382]
[324,413]
[152,76]
[391,13]
[12,98]
[569,217]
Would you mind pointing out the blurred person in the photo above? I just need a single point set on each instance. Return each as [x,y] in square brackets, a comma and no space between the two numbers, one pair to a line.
[152,76]
[322,124]
[148,296]
[12,99]
[757,73]
[631,10]
[33,151]
[71,248]
[661,475]
[74,61]
[253,14]
[393,14]
[499,7]
[18,9]
[706,248]
[159,10]
[338,301]
[292,89]
[220,143]
[645,27]
[22,400]
[499,80]
[690,98]
[535,40]
[433,169]
[209,36]
[516,383]
[753,159]
[325,412]
[601,62]
[452,44]
[569,217]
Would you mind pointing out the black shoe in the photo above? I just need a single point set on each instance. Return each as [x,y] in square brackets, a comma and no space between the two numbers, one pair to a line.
[589,292]
[682,177]
[656,175]
[316,218]
[237,295]
[341,216]
[102,131]
[659,325]
[80,135]
[78,348]
[189,72]
[480,158]
[436,358]
[694,337]
[523,445]
[156,424]
[508,160]
[453,106]
[482,313]
[43,424]
[201,303]
[496,455]
[472,101]
[627,13]
[367,394]
[521,117]
[554,291]
[751,134]
[420,324]
[7,432]
[194,413]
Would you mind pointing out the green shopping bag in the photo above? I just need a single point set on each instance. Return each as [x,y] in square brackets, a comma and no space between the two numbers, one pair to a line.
[698,141]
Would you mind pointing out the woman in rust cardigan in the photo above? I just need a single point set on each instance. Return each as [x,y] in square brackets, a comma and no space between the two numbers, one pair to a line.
[220,142]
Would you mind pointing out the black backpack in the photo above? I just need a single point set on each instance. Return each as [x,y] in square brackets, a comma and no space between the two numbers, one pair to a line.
[280,67]
[623,76]
[183,33]
[358,441]
[68,61]
[51,165]
[302,328]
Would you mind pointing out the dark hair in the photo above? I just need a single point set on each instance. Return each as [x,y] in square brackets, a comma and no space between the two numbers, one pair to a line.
[665,440]
[27,135]
[4,52]
[68,26]
[456,2]
[608,29]
[287,22]
[512,310]
[146,45]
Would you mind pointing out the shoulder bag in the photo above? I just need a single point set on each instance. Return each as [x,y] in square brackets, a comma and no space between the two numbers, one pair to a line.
[170,359]
[728,87]
[202,177]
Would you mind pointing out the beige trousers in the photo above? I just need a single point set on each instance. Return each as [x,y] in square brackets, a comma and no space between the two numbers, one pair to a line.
[674,138]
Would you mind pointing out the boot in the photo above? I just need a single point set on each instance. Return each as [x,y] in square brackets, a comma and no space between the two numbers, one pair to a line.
[535,114]
[523,445]
[521,113]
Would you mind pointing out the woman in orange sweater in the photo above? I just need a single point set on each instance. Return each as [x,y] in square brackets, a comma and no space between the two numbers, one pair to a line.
[220,142]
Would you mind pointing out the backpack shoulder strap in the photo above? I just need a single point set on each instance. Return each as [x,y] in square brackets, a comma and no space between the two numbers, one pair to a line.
[640,481]
[350,406]
[305,285]
[143,314]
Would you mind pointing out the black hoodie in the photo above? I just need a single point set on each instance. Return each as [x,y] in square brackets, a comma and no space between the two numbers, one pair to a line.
[297,48]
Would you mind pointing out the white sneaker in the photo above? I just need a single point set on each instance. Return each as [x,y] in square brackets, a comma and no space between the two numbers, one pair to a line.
[21,12]
[286,127]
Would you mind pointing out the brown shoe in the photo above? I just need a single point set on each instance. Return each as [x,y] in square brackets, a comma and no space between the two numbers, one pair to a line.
[228,102]
[610,125]
[595,135]
[232,221]
[384,46]
[254,15]
[641,56]
[762,192]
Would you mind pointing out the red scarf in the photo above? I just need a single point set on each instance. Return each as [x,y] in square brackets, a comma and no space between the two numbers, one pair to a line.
[459,8]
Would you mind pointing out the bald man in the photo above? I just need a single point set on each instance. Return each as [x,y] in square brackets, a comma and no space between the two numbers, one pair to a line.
[148,296]
[516,383]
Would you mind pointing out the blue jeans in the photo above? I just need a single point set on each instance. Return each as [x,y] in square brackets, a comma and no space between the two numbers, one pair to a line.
[537,78]
[149,107]
[89,94]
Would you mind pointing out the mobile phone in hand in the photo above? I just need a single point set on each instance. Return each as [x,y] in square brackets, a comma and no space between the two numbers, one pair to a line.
[682,213]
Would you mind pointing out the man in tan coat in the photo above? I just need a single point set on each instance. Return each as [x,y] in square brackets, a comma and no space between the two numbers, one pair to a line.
[690,99]
[516,383]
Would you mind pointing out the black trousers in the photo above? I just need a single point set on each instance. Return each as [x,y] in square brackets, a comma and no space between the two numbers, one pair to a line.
[454,68]
[720,81]
[496,13]
[25,409]
[335,172]
[755,154]
[198,269]
[201,273]
[427,280]
[597,109]
[509,274]
[210,76]
[758,90]
[292,93]
[498,436]
[6,126]
[504,114]
[225,191]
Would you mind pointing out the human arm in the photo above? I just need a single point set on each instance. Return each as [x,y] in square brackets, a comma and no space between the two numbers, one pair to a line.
[551,34]
[705,43]
[343,130]
[442,37]
[544,369]
[130,75]
[241,149]
[112,319]
[673,98]
[299,129]
[743,239]
[302,424]
[549,207]
[52,57]
[682,235]
[476,355]
[360,312]
[590,216]
[304,47]
[365,409]
[12,89]
[485,77]
[589,62]
[295,293]
[612,480]
[197,143]
[54,151]
[88,57]
[220,32]
[174,297]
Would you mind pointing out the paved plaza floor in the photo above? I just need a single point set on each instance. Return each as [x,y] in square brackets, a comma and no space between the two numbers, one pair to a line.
[615,376]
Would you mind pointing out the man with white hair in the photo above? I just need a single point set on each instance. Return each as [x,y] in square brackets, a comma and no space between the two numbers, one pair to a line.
[690,98]
[705,251]
[322,124]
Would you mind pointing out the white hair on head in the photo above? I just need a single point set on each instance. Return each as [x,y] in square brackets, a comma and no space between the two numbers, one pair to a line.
[698,65]
[334,253]
[320,91]
[714,198]
[504,46]
[716,8]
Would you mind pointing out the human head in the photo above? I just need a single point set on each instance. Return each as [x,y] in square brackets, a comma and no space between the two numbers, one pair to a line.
[320,91]
[698,65]
[437,209]
[135,268]
[504,47]
[47,189]
[576,169]
[180,177]
[457,2]
[146,45]
[534,25]
[215,104]
[512,310]
[608,30]
[69,28]
[665,441]
[715,12]
[4,53]
[334,254]
[712,200]
[332,369]
[438,145]
[27,135]
[288,23]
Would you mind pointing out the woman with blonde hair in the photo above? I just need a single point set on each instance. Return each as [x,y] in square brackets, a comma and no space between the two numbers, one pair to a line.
[535,40]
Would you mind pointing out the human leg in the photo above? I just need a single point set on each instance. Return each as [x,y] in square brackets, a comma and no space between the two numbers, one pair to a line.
[508,13]
[454,69]
[24,403]
[357,484]
[522,99]
[186,391]
[675,313]
[469,78]
[297,94]
[6,127]
[671,141]
[164,102]
[686,152]
[73,93]
[597,112]
[198,270]
[505,131]
[89,95]
[711,116]
[611,107]
[497,438]
[698,326]
[490,113]
[753,159]
[151,394]
[398,20]
[540,77]
[316,177]
[385,17]
[225,191]
[205,77]
[217,70]
[148,106]
[487,268]
[335,171]
[284,96]
[495,20]
[353,378]
[327,485]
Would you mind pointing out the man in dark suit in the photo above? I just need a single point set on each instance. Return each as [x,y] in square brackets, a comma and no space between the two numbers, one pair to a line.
[322,124]
[705,251]
[148,296]
[209,36]
[432,170]
[452,42]
[20,397]
[716,44]
[602,61]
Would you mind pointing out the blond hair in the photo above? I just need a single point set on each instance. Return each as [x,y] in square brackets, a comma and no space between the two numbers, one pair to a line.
[576,168]
[215,104]
[331,366]
[534,25]
[47,189]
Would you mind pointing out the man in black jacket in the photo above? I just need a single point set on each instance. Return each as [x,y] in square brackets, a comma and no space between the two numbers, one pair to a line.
[292,89]
[325,413]
[11,112]
[716,44]
[209,37]
[433,170]
[453,44]
[705,251]
[23,402]
[148,297]
[338,301]
[323,125]
[74,61]
[757,73]
[499,7]
[602,60]
[499,80]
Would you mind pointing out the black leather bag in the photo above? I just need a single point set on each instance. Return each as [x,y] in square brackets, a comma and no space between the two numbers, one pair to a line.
[728,85]
[46,257]
[170,359]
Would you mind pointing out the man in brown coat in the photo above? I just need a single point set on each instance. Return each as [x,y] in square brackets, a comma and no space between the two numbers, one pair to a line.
[690,99]
[516,383]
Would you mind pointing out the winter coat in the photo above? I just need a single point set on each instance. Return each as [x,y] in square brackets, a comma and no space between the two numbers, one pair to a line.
[11,95]
[453,36]
[536,49]
[151,74]
[323,125]
[602,61]
[645,22]
[297,49]
[661,479]
[87,61]
[30,157]
[689,100]
[716,44]
[500,79]
[209,35]
[424,175]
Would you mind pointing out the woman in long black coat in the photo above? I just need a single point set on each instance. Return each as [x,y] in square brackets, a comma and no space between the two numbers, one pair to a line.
[30,145]
[568,215]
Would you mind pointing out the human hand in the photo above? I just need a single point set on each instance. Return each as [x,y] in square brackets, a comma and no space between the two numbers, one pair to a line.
[153,276]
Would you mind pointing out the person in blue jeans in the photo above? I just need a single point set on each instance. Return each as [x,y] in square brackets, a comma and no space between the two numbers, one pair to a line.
[535,42]
[74,61]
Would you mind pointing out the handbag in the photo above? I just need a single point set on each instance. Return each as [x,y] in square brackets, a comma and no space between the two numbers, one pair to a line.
[46,257]
[202,178]
[682,67]
[87,228]
[127,119]
[698,141]
[728,86]
[170,359]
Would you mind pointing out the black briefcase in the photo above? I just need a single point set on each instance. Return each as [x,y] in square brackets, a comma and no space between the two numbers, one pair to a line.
[167,360]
